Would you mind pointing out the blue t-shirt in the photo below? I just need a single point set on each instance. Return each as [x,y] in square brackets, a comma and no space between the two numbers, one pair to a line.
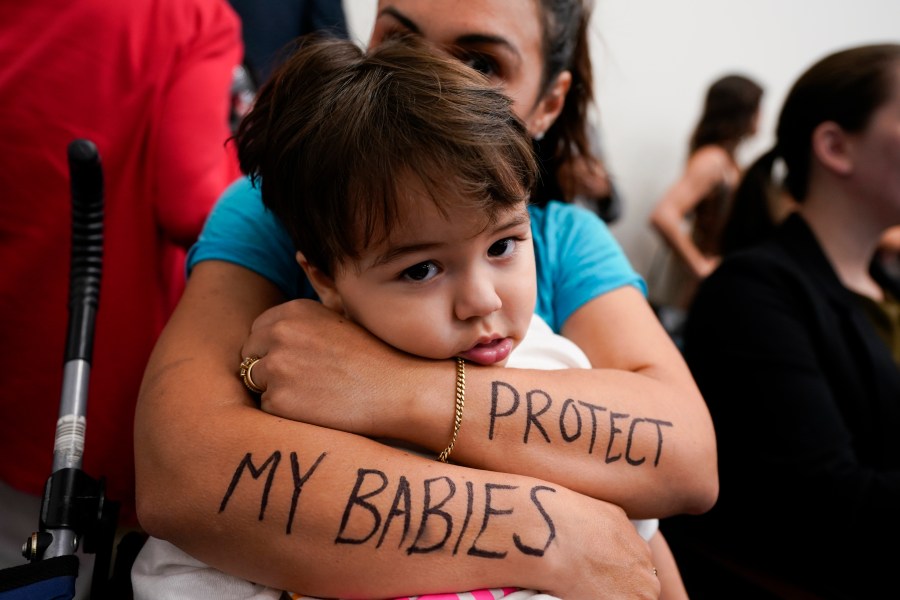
[577,257]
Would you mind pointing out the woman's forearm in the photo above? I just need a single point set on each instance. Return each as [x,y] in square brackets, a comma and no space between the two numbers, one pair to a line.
[622,437]
[299,508]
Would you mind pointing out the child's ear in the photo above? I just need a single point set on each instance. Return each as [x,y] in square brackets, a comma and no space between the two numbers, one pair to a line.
[323,284]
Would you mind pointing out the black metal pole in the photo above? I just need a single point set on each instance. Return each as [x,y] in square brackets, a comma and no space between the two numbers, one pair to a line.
[72,500]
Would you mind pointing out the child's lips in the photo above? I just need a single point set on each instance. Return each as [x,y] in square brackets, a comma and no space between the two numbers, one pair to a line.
[489,353]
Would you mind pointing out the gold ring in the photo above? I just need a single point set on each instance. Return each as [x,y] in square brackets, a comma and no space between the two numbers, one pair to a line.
[246,368]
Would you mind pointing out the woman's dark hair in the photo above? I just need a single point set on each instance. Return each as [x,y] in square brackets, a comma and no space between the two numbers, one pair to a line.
[565,44]
[750,219]
[337,136]
[846,88]
[729,111]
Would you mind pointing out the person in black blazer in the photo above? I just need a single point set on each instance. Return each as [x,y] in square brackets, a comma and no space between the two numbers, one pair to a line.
[793,343]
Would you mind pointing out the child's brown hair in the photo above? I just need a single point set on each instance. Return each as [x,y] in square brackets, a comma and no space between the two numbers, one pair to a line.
[336,134]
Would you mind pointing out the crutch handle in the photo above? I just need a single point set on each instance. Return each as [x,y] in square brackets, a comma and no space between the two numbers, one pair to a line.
[87,247]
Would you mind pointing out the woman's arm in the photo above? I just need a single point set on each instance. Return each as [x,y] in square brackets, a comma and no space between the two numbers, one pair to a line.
[702,174]
[634,431]
[299,507]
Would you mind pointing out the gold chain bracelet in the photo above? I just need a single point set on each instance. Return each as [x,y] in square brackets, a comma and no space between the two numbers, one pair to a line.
[460,404]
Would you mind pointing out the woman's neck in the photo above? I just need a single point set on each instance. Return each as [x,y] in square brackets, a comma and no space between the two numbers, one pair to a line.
[848,238]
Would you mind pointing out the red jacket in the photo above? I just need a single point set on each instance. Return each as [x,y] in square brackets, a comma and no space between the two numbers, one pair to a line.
[148,81]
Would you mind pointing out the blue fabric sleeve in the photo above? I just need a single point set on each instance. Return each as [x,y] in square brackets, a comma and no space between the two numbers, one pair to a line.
[578,259]
[241,230]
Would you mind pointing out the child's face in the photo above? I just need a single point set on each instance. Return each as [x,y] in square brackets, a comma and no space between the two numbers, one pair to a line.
[442,287]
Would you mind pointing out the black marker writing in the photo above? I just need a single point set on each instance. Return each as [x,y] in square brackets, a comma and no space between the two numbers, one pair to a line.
[400,497]
[360,500]
[505,403]
[376,502]
[613,430]
[488,511]
[533,415]
[594,409]
[562,421]
[470,499]
[530,549]
[247,464]
[434,510]
[299,480]
[495,399]
[659,437]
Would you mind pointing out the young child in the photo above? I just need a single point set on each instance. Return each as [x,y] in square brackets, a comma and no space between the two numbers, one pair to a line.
[403,179]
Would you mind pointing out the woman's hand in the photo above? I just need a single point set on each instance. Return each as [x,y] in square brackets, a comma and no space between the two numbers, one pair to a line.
[318,367]
[611,553]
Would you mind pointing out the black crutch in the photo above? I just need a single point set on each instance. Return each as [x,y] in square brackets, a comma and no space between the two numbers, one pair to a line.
[74,510]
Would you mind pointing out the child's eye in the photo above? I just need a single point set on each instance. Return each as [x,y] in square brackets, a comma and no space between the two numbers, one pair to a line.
[502,247]
[420,272]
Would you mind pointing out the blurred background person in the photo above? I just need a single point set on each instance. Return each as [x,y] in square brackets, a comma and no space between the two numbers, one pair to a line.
[691,214]
[267,29]
[148,82]
[268,26]
[794,344]
[756,211]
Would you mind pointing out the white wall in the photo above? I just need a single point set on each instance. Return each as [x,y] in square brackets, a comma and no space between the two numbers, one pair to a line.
[360,17]
[654,59]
